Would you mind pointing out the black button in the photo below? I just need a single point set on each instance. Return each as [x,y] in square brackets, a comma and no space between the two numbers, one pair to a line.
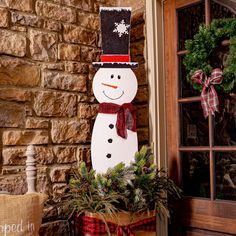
[110,140]
[108,155]
[111,126]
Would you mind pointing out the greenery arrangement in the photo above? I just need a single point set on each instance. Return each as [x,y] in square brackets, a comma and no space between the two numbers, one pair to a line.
[139,187]
[201,48]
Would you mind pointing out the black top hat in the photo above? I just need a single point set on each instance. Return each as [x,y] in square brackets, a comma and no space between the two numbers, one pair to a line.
[115,27]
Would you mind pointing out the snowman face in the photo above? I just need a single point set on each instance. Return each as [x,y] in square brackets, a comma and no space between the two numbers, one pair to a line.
[115,85]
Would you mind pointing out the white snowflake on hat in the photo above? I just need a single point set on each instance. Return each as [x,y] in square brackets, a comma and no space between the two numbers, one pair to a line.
[121,28]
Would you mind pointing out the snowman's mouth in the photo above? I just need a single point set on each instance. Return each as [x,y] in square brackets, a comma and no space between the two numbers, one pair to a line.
[113,98]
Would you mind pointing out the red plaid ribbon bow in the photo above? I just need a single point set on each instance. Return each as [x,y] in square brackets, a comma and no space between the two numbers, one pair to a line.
[126,117]
[209,98]
[95,227]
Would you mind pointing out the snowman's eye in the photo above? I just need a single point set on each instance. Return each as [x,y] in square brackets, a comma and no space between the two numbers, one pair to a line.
[118,77]
[112,76]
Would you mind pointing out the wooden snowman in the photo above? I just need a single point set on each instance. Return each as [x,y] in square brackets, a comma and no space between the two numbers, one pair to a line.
[114,137]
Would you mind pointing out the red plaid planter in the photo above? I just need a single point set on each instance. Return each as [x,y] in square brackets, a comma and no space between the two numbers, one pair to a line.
[139,225]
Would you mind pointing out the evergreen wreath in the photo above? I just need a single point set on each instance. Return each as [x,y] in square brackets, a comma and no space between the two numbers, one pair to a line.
[201,48]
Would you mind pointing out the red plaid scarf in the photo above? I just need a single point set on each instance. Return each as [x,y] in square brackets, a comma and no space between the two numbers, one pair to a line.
[209,98]
[95,227]
[126,117]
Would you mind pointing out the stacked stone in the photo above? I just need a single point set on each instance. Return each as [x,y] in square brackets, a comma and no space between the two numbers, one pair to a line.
[46,51]
[137,49]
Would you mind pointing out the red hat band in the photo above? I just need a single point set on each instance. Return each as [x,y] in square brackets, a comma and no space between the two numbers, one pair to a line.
[115,58]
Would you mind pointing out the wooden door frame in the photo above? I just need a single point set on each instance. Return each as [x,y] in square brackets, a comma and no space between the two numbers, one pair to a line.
[170,32]
[163,84]
[209,211]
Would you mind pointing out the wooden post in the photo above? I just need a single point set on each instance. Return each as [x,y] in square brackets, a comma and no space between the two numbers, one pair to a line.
[208,12]
[31,170]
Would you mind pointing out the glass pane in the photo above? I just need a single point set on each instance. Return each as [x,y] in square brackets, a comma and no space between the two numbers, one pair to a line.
[186,89]
[193,125]
[195,174]
[220,11]
[189,19]
[225,121]
[226,175]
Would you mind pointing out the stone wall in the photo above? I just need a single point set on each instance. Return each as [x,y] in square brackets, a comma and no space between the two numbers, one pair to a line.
[46,50]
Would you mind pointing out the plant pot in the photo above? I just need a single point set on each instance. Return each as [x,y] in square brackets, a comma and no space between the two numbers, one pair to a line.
[124,224]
